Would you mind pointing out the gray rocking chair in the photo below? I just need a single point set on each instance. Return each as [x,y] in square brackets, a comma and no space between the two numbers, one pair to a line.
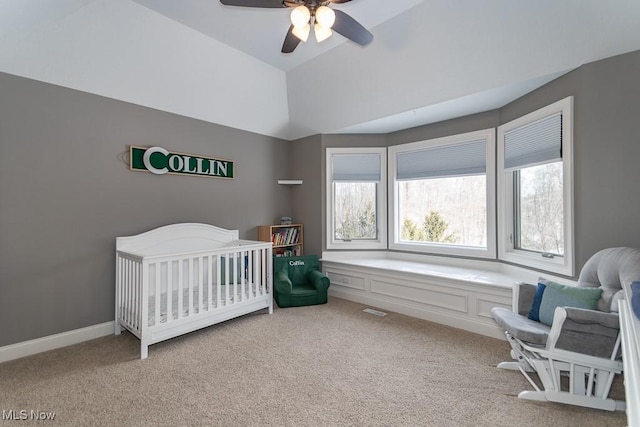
[577,355]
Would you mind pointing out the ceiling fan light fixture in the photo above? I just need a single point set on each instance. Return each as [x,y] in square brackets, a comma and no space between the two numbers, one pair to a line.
[301,32]
[325,16]
[300,16]
[322,33]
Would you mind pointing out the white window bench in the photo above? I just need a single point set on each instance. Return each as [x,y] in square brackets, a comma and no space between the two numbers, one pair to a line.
[454,292]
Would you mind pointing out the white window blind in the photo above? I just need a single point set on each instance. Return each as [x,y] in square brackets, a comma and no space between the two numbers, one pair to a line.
[535,143]
[468,158]
[356,167]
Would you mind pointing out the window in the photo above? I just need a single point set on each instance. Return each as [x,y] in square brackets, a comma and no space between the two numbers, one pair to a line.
[535,187]
[443,195]
[356,198]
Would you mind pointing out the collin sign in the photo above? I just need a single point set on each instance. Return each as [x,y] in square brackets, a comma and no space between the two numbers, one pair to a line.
[159,161]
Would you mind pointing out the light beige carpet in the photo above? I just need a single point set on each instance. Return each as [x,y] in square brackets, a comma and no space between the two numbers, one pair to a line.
[327,365]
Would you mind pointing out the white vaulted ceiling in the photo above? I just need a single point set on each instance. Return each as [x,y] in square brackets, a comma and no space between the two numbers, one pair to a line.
[430,60]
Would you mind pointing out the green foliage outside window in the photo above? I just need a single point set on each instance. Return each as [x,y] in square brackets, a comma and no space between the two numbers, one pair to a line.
[434,229]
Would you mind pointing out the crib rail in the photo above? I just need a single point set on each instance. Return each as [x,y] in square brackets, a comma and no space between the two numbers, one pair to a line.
[158,290]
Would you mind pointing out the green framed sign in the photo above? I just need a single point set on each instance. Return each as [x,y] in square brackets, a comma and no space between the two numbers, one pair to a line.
[160,161]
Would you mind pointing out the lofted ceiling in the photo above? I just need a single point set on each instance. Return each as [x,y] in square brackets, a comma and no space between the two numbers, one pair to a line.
[430,60]
[260,32]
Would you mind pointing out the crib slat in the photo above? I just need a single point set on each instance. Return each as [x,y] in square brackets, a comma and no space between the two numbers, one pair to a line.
[250,276]
[127,293]
[158,294]
[130,301]
[169,291]
[200,282]
[226,280]
[190,280]
[132,296]
[263,266]
[180,288]
[235,277]
[218,281]
[210,283]
[123,289]
[139,296]
[256,272]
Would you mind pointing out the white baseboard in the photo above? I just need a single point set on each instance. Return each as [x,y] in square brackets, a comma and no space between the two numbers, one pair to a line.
[51,342]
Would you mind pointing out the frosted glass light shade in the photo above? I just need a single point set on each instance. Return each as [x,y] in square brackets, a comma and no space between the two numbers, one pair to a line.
[325,16]
[300,16]
[322,33]
[302,32]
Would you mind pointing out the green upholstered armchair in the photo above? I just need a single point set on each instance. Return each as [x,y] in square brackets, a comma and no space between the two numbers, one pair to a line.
[297,281]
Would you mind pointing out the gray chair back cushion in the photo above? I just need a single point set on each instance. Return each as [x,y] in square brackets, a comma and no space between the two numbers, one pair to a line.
[609,269]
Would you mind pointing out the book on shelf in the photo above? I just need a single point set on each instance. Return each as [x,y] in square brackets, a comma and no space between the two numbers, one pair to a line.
[287,252]
[285,237]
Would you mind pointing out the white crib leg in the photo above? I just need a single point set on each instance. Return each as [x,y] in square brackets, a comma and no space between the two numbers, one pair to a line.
[144,350]
[118,327]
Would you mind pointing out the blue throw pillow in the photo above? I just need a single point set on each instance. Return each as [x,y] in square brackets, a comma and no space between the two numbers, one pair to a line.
[556,295]
[534,313]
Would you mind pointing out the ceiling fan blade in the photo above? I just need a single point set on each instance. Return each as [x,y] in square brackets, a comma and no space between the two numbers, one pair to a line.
[253,3]
[290,41]
[338,1]
[351,29]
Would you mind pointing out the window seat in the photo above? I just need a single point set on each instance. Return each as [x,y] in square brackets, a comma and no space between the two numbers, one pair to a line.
[455,292]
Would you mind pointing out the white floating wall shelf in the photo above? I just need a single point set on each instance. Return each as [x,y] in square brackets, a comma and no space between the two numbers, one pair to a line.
[289,181]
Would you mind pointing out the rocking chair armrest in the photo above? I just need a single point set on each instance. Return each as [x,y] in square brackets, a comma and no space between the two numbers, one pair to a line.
[281,282]
[589,332]
[318,279]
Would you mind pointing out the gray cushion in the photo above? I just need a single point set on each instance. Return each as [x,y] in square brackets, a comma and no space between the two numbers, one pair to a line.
[609,268]
[520,326]
[589,332]
[526,294]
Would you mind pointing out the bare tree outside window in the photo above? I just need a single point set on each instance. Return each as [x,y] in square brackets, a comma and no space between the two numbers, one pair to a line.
[355,210]
[540,210]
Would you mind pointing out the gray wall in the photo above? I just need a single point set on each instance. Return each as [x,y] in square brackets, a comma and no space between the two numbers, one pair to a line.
[606,147]
[307,198]
[66,193]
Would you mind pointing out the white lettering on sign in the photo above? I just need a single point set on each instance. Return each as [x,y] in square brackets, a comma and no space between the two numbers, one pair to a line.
[296,262]
[147,160]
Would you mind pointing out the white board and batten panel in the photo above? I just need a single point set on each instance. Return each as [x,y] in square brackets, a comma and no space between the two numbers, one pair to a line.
[457,297]
[345,278]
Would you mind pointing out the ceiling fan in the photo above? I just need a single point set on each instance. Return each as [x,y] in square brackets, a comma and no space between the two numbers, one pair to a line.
[308,12]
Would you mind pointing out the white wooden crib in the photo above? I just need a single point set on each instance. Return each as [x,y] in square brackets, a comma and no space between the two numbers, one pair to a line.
[182,277]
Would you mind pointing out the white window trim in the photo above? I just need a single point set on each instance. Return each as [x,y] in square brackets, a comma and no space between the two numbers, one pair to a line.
[443,249]
[381,242]
[506,250]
